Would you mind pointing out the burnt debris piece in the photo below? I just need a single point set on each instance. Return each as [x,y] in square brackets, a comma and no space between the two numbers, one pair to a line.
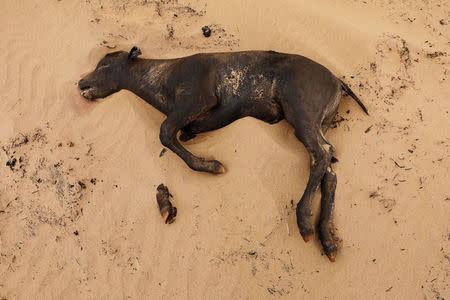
[168,212]
[206,31]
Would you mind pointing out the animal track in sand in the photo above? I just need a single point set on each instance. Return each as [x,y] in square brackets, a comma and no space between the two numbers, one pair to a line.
[174,26]
[43,183]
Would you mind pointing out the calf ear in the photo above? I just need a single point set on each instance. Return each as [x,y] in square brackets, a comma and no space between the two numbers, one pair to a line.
[134,52]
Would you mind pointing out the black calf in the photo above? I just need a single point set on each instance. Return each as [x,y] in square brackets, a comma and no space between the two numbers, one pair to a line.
[204,92]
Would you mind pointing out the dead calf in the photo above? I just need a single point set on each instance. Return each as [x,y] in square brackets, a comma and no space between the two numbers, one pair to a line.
[208,91]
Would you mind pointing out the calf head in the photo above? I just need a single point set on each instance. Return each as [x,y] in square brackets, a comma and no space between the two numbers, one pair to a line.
[107,77]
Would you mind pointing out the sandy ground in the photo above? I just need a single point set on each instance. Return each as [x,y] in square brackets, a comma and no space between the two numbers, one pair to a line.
[78,215]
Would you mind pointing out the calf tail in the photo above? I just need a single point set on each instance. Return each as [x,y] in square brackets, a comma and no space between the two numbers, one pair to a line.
[351,94]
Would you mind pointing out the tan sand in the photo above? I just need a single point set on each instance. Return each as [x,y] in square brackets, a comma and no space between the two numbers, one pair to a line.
[78,214]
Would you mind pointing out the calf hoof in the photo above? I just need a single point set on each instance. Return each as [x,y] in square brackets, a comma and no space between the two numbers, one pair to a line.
[305,226]
[308,237]
[306,229]
[217,168]
[332,256]
[330,251]
[328,244]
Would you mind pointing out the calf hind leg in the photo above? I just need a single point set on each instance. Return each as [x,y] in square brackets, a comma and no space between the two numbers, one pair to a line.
[320,152]
[328,188]
[215,119]
[225,114]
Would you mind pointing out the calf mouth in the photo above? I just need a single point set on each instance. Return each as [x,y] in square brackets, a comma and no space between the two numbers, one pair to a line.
[88,92]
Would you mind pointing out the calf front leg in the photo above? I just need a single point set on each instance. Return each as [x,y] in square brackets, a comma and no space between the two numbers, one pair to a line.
[168,136]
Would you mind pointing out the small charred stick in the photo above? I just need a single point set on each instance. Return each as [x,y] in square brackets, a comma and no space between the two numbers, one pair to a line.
[168,212]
